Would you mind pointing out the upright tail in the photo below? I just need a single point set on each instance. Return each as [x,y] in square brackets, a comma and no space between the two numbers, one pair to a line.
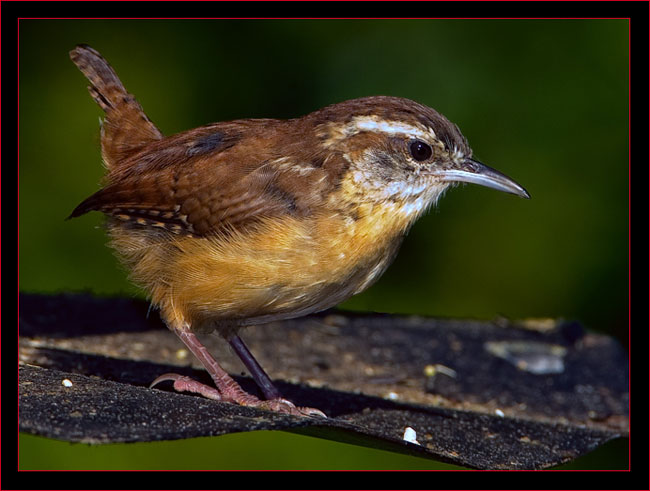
[126,127]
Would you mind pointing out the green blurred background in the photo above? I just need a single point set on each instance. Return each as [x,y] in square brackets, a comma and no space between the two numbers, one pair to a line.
[544,101]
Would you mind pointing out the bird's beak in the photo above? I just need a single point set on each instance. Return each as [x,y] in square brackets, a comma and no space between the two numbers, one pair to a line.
[475,172]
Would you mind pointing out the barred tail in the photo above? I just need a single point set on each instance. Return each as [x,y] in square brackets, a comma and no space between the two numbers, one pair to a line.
[126,127]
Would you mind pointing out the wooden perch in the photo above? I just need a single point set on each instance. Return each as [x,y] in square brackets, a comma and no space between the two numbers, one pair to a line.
[490,395]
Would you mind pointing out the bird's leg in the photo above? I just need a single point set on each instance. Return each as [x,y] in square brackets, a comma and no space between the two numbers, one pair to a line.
[258,373]
[227,389]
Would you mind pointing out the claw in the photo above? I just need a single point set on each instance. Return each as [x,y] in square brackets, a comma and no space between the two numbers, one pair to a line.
[312,412]
[163,378]
[287,407]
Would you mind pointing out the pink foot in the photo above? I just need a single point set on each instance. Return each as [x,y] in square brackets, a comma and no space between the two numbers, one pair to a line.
[186,384]
[235,394]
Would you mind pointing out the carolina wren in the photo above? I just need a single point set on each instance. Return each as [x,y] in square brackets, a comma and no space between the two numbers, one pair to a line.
[256,220]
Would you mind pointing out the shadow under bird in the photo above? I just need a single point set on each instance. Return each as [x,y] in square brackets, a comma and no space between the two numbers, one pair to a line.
[257,220]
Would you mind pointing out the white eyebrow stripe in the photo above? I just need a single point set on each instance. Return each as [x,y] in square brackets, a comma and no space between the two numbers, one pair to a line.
[370,123]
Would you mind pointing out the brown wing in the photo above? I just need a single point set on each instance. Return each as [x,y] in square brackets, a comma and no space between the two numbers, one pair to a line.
[209,180]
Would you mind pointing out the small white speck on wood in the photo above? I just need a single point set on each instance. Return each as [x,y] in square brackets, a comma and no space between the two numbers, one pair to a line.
[410,435]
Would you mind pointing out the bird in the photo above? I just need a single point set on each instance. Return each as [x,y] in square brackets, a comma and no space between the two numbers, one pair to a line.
[252,221]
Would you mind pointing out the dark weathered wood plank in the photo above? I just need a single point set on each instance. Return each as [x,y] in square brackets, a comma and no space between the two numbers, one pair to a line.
[478,394]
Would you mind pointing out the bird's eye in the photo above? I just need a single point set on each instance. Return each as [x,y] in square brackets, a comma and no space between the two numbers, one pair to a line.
[420,151]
